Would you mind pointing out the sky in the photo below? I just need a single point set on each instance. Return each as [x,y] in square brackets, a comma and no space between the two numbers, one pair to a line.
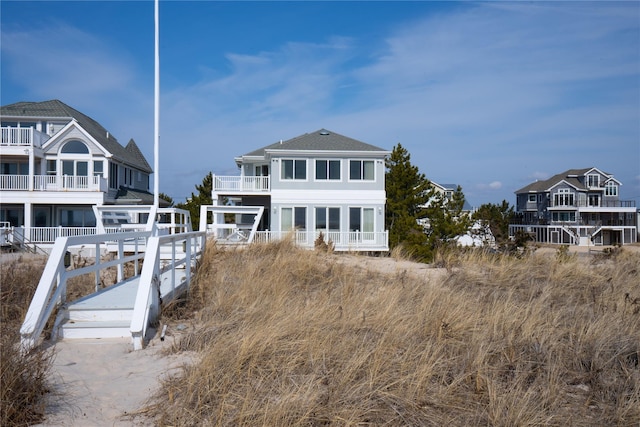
[488,95]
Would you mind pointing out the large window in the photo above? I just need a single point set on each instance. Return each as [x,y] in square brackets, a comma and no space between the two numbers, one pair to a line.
[77,217]
[294,169]
[361,219]
[361,170]
[328,170]
[564,216]
[611,189]
[593,181]
[564,197]
[294,218]
[327,219]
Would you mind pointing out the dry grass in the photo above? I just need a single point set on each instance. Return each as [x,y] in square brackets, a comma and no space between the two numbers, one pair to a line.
[23,378]
[289,337]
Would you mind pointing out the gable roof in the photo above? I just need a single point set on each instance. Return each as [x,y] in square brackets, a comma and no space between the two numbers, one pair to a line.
[320,140]
[55,109]
[569,176]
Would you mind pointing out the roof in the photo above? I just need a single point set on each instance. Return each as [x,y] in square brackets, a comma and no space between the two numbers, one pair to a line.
[569,176]
[130,196]
[320,140]
[130,154]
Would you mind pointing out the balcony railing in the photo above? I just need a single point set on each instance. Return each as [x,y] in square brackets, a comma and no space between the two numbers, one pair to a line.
[602,204]
[341,241]
[53,183]
[251,184]
[22,137]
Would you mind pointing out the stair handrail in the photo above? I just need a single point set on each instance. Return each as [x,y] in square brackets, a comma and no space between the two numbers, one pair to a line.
[148,298]
[51,290]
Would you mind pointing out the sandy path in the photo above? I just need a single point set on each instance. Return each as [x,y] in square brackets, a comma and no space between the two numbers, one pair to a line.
[97,381]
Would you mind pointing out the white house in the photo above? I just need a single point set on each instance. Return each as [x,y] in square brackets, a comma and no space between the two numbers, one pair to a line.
[317,182]
[56,164]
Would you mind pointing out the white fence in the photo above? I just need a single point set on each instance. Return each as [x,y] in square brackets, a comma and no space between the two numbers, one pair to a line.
[14,136]
[341,240]
[241,183]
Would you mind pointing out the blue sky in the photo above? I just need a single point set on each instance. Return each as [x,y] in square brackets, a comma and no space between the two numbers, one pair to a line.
[488,95]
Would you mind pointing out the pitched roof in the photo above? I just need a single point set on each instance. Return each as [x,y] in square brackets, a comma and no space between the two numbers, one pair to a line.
[569,176]
[59,110]
[320,140]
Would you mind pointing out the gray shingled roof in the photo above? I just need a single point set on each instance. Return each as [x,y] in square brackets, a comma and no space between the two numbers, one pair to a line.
[570,176]
[320,140]
[130,154]
[138,197]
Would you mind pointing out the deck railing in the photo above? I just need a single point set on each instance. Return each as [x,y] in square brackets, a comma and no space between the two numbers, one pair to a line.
[241,183]
[53,183]
[51,292]
[14,136]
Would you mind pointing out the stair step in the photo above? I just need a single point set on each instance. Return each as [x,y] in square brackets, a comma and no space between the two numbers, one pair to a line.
[97,329]
[78,314]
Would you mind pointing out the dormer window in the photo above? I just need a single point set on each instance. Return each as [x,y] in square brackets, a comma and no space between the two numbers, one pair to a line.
[593,181]
[611,189]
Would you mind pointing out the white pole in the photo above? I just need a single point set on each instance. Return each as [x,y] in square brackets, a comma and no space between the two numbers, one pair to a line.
[156,115]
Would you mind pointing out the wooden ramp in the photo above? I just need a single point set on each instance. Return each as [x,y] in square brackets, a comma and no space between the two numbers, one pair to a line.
[108,313]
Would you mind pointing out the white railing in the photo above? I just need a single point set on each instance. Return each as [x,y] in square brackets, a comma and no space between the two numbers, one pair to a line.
[52,289]
[53,183]
[186,248]
[49,234]
[341,240]
[13,136]
[14,182]
[241,183]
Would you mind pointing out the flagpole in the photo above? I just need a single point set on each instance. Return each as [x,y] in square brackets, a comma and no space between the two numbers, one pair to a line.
[156,114]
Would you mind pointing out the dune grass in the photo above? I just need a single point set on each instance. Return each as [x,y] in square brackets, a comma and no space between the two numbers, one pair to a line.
[290,337]
[23,377]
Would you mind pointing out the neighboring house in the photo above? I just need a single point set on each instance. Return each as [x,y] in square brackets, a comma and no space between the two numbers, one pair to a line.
[578,207]
[448,190]
[316,182]
[56,164]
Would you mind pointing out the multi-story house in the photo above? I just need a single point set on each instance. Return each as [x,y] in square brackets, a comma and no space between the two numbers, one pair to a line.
[319,182]
[578,206]
[56,164]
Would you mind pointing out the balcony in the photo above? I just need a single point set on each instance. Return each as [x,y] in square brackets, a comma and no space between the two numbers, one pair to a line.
[22,137]
[603,204]
[53,183]
[241,184]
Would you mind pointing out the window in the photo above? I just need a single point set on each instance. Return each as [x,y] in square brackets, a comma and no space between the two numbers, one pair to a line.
[328,169]
[532,198]
[361,219]
[75,147]
[113,175]
[594,200]
[327,219]
[610,189]
[361,170]
[593,180]
[564,216]
[294,169]
[564,197]
[77,217]
[51,167]
[97,168]
[294,218]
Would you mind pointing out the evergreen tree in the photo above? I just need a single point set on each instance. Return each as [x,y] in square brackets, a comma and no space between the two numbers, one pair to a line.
[446,218]
[166,198]
[497,218]
[203,197]
[407,192]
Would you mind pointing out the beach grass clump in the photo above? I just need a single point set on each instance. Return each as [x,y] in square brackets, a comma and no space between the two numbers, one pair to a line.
[292,337]
[23,377]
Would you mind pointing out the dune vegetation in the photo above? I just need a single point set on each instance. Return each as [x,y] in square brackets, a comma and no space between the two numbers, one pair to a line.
[289,337]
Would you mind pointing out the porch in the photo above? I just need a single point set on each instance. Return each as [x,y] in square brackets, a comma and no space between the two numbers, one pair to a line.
[21,137]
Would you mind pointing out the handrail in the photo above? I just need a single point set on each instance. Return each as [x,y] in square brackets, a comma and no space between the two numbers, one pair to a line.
[147,304]
[51,290]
